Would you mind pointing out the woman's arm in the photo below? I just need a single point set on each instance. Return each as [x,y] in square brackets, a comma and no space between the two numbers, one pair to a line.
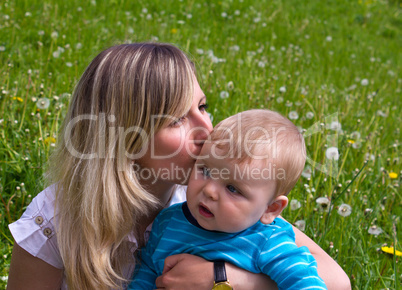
[186,271]
[29,272]
[332,274]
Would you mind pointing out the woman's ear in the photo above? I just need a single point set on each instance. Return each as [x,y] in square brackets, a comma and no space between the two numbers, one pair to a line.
[274,209]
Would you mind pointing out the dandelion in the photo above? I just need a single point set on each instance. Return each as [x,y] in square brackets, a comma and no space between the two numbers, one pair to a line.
[382,114]
[189,16]
[199,51]
[364,82]
[351,141]
[344,210]
[69,64]
[370,156]
[261,64]
[323,203]
[279,100]
[56,54]
[130,30]
[18,99]
[78,45]
[49,140]
[224,14]
[234,48]
[4,278]
[295,204]
[328,38]
[173,31]
[301,225]
[393,175]
[307,172]
[310,115]
[41,32]
[230,86]
[374,230]
[391,250]
[293,115]
[335,126]
[2,48]
[282,89]
[224,95]
[43,103]
[28,14]
[237,12]
[357,145]
[54,34]
[332,153]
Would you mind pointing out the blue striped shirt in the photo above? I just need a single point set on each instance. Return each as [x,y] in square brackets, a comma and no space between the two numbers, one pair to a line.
[268,249]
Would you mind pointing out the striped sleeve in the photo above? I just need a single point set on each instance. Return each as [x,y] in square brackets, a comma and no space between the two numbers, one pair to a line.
[289,266]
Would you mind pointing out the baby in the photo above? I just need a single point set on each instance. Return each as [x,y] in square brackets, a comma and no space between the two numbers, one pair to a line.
[236,192]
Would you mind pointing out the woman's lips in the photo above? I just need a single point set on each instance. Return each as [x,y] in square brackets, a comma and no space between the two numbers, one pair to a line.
[204,211]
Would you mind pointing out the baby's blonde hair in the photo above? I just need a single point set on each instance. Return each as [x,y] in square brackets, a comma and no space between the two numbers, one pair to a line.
[120,101]
[263,135]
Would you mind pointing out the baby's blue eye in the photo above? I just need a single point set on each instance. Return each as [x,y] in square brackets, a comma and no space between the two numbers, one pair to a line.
[232,189]
[206,172]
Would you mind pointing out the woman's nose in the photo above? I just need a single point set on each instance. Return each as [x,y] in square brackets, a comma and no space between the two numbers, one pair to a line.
[203,127]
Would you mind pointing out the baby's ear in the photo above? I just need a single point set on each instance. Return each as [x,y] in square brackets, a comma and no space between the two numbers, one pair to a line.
[274,209]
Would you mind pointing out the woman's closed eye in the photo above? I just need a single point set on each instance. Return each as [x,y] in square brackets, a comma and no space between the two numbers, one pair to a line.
[178,122]
[203,107]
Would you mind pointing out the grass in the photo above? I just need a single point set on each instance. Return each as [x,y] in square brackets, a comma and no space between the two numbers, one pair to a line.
[316,58]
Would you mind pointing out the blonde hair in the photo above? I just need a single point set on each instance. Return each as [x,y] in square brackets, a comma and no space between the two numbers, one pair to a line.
[119,102]
[264,135]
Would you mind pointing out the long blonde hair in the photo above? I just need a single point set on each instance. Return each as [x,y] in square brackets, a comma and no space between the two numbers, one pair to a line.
[120,98]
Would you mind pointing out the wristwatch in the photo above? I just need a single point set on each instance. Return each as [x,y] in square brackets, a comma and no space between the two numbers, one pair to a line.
[221,282]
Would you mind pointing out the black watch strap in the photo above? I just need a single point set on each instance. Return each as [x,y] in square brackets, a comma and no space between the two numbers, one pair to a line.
[220,271]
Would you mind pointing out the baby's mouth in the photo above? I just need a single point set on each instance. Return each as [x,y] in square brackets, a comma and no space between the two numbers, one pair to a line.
[204,211]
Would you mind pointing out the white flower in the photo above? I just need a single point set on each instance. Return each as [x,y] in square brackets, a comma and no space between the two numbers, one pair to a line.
[56,54]
[357,145]
[344,210]
[301,225]
[2,48]
[199,51]
[279,100]
[310,115]
[189,16]
[261,64]
[43,103]
[328,38]
[355,135]
[41,32]
[374,230]
[4,278]
[364,82]
[230,86]
[78,45]
[234,48]
[237,12]
[335,126]
[294,204]
[307,172]
[54,34]
[224,14]
[370,156]
[224,95]
[69,64]
[28,14]
[382,114]
[293,115]
[282,89]
[332,153]
[130,30]
[323,203]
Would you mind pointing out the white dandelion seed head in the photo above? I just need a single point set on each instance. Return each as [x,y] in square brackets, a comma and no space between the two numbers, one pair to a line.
[2,48]
[261,64]
[328,38]
[357,145]
[301,225]
[234,48]
[237,12]
[374,230]
[369,156]
[282,89]
[355,135]
[224,14]
[335,126]
[364,82]
[224,95]
[332,153]
[41,32]
[144,10]
[307,172]
[382,114]
[294,204]
[78,45]
[28,14]
[189,16]
[43,103]
[279,100]
[293,115]
[69,64]
[130,30]
[54,34]
[199,51]
[323,203]
[56,54]
[310,115]
[230,85]
[344,210]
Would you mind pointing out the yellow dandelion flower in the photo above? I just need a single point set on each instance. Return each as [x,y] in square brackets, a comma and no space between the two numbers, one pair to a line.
[173,30]
[49,140]
[391,250]
[351,141]
[393,175]
[18,99]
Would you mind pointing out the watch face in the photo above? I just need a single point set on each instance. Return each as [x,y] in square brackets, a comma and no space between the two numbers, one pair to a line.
[222,286]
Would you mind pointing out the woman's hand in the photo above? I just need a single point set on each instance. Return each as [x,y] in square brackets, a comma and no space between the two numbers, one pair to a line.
[186,271]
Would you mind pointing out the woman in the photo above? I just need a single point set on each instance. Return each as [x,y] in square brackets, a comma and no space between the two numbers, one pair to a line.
[136,122]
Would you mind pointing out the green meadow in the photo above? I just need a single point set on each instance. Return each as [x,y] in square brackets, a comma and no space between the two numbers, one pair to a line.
[332,67]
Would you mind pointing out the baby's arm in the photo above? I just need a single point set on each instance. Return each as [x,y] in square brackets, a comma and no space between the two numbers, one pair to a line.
[144,274]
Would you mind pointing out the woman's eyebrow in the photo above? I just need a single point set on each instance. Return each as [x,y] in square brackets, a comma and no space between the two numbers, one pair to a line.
[204,97]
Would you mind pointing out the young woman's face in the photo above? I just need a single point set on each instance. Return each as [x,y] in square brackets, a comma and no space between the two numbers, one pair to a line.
[173,150]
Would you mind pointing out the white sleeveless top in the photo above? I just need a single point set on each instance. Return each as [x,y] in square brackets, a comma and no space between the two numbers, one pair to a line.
[35,230]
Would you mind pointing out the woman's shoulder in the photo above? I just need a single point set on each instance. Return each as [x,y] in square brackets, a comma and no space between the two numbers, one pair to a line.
[35,230]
